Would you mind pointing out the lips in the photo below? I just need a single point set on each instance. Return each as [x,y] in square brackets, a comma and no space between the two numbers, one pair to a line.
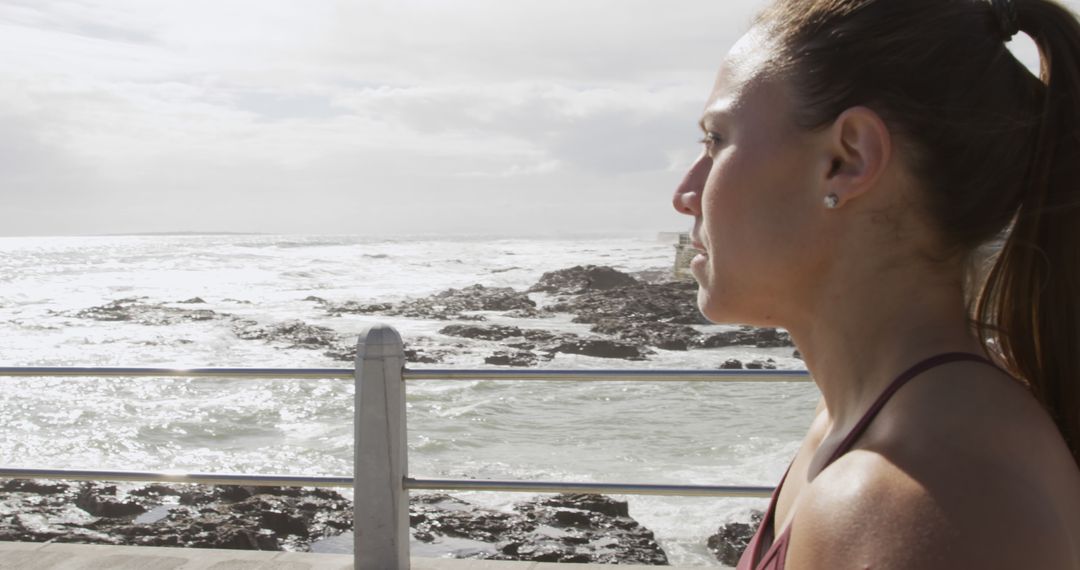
[696,244]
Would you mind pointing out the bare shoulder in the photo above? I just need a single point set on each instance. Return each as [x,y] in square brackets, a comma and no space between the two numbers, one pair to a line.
[962,469]
[866,511]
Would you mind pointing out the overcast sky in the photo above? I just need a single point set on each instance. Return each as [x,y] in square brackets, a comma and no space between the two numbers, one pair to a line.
[353,116]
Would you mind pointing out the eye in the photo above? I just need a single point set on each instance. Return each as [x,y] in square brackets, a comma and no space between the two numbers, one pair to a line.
[711,141]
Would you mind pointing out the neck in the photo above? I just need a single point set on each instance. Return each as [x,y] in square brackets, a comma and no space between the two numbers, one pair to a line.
[860,334]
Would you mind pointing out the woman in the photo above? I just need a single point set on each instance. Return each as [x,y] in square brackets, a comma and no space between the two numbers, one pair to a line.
[857,155]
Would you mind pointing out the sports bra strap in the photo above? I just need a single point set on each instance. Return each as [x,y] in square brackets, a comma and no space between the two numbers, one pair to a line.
[902,379]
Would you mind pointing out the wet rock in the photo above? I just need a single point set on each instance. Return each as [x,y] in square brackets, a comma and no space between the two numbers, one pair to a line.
[418,357]
[661,335]
[748,336]
[589,502]
[563,528]
[345,351]
[101,502]
[758,364]
[672,302]
[582,278]
[136,309]
[485,332]
[732,364]
[34,486]
[452,304]
[732,538]
[529,313]
[294,333]
[797,354]
[602,348]
[193,301]
[512,358]
[228,516]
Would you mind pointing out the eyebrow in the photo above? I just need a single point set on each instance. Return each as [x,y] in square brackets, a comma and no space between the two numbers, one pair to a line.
[709,116]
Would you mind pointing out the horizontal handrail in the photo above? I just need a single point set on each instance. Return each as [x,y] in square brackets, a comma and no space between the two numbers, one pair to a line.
[606,375]
[172,477]
[606,488]
[131,372]
[409,483]
[609,375]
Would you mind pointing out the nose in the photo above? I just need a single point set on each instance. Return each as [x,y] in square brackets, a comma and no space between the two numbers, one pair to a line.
[687,198]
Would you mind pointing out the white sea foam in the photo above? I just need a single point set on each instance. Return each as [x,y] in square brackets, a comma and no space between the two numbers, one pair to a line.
[606,431]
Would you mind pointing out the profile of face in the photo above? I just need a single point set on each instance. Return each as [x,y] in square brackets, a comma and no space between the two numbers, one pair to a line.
[755,195]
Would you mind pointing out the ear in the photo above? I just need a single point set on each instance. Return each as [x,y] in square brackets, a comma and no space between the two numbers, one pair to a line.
[859,149]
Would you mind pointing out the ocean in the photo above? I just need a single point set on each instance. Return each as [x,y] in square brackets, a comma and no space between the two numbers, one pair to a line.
[679,433]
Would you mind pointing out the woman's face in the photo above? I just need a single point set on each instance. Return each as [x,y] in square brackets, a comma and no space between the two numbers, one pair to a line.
[753,195]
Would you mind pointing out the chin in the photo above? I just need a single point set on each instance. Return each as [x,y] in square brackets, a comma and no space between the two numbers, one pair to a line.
[710,308]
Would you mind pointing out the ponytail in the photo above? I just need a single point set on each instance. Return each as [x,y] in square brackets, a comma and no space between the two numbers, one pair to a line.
[1029,308]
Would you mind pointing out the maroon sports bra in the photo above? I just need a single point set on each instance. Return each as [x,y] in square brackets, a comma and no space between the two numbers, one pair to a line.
[767,551]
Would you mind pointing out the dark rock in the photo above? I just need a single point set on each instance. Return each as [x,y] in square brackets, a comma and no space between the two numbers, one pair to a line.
[748,336]
[529,313]
[661,335]
[452,304]
[758,364]
[485,332]
[346,352]
[101,502]
[417,357]
[590,502]
[229,516]
[731,364]
[591,528]
[135,309]
[543,336]
[672,302]
[732,538]
[797,354]
[193,301]
[294,333]
[35,486]
[580,279]
[602,348]
[515,358]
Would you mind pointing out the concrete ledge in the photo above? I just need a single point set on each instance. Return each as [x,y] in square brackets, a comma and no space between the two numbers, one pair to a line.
[64,556]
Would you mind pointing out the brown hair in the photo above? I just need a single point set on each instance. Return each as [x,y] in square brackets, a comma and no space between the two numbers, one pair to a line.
[996,149]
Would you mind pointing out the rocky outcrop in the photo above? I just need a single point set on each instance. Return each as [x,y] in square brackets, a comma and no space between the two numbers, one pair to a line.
[345,351]
[732,538]
[673,302]
[546,343]
[756,364]
[582,278]
[651,333]
[271,518]
[748,336]
[563,528]
[602,348]
[138,310]
[519,358]
[482,332]
[452,304]
[293,334]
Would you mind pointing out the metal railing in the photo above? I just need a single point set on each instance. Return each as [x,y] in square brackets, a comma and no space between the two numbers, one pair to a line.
[381,483]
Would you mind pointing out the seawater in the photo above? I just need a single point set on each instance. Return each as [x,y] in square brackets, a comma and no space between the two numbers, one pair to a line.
[679,433]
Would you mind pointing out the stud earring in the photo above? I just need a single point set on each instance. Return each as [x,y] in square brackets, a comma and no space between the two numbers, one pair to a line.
[832,201]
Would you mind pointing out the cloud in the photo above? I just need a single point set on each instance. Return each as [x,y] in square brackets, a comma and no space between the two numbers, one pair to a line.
[286,115]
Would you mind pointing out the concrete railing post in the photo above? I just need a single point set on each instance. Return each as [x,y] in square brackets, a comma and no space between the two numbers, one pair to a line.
[380,502]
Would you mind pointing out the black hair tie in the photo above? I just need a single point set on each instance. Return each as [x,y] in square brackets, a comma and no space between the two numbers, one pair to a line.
[1007,17]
